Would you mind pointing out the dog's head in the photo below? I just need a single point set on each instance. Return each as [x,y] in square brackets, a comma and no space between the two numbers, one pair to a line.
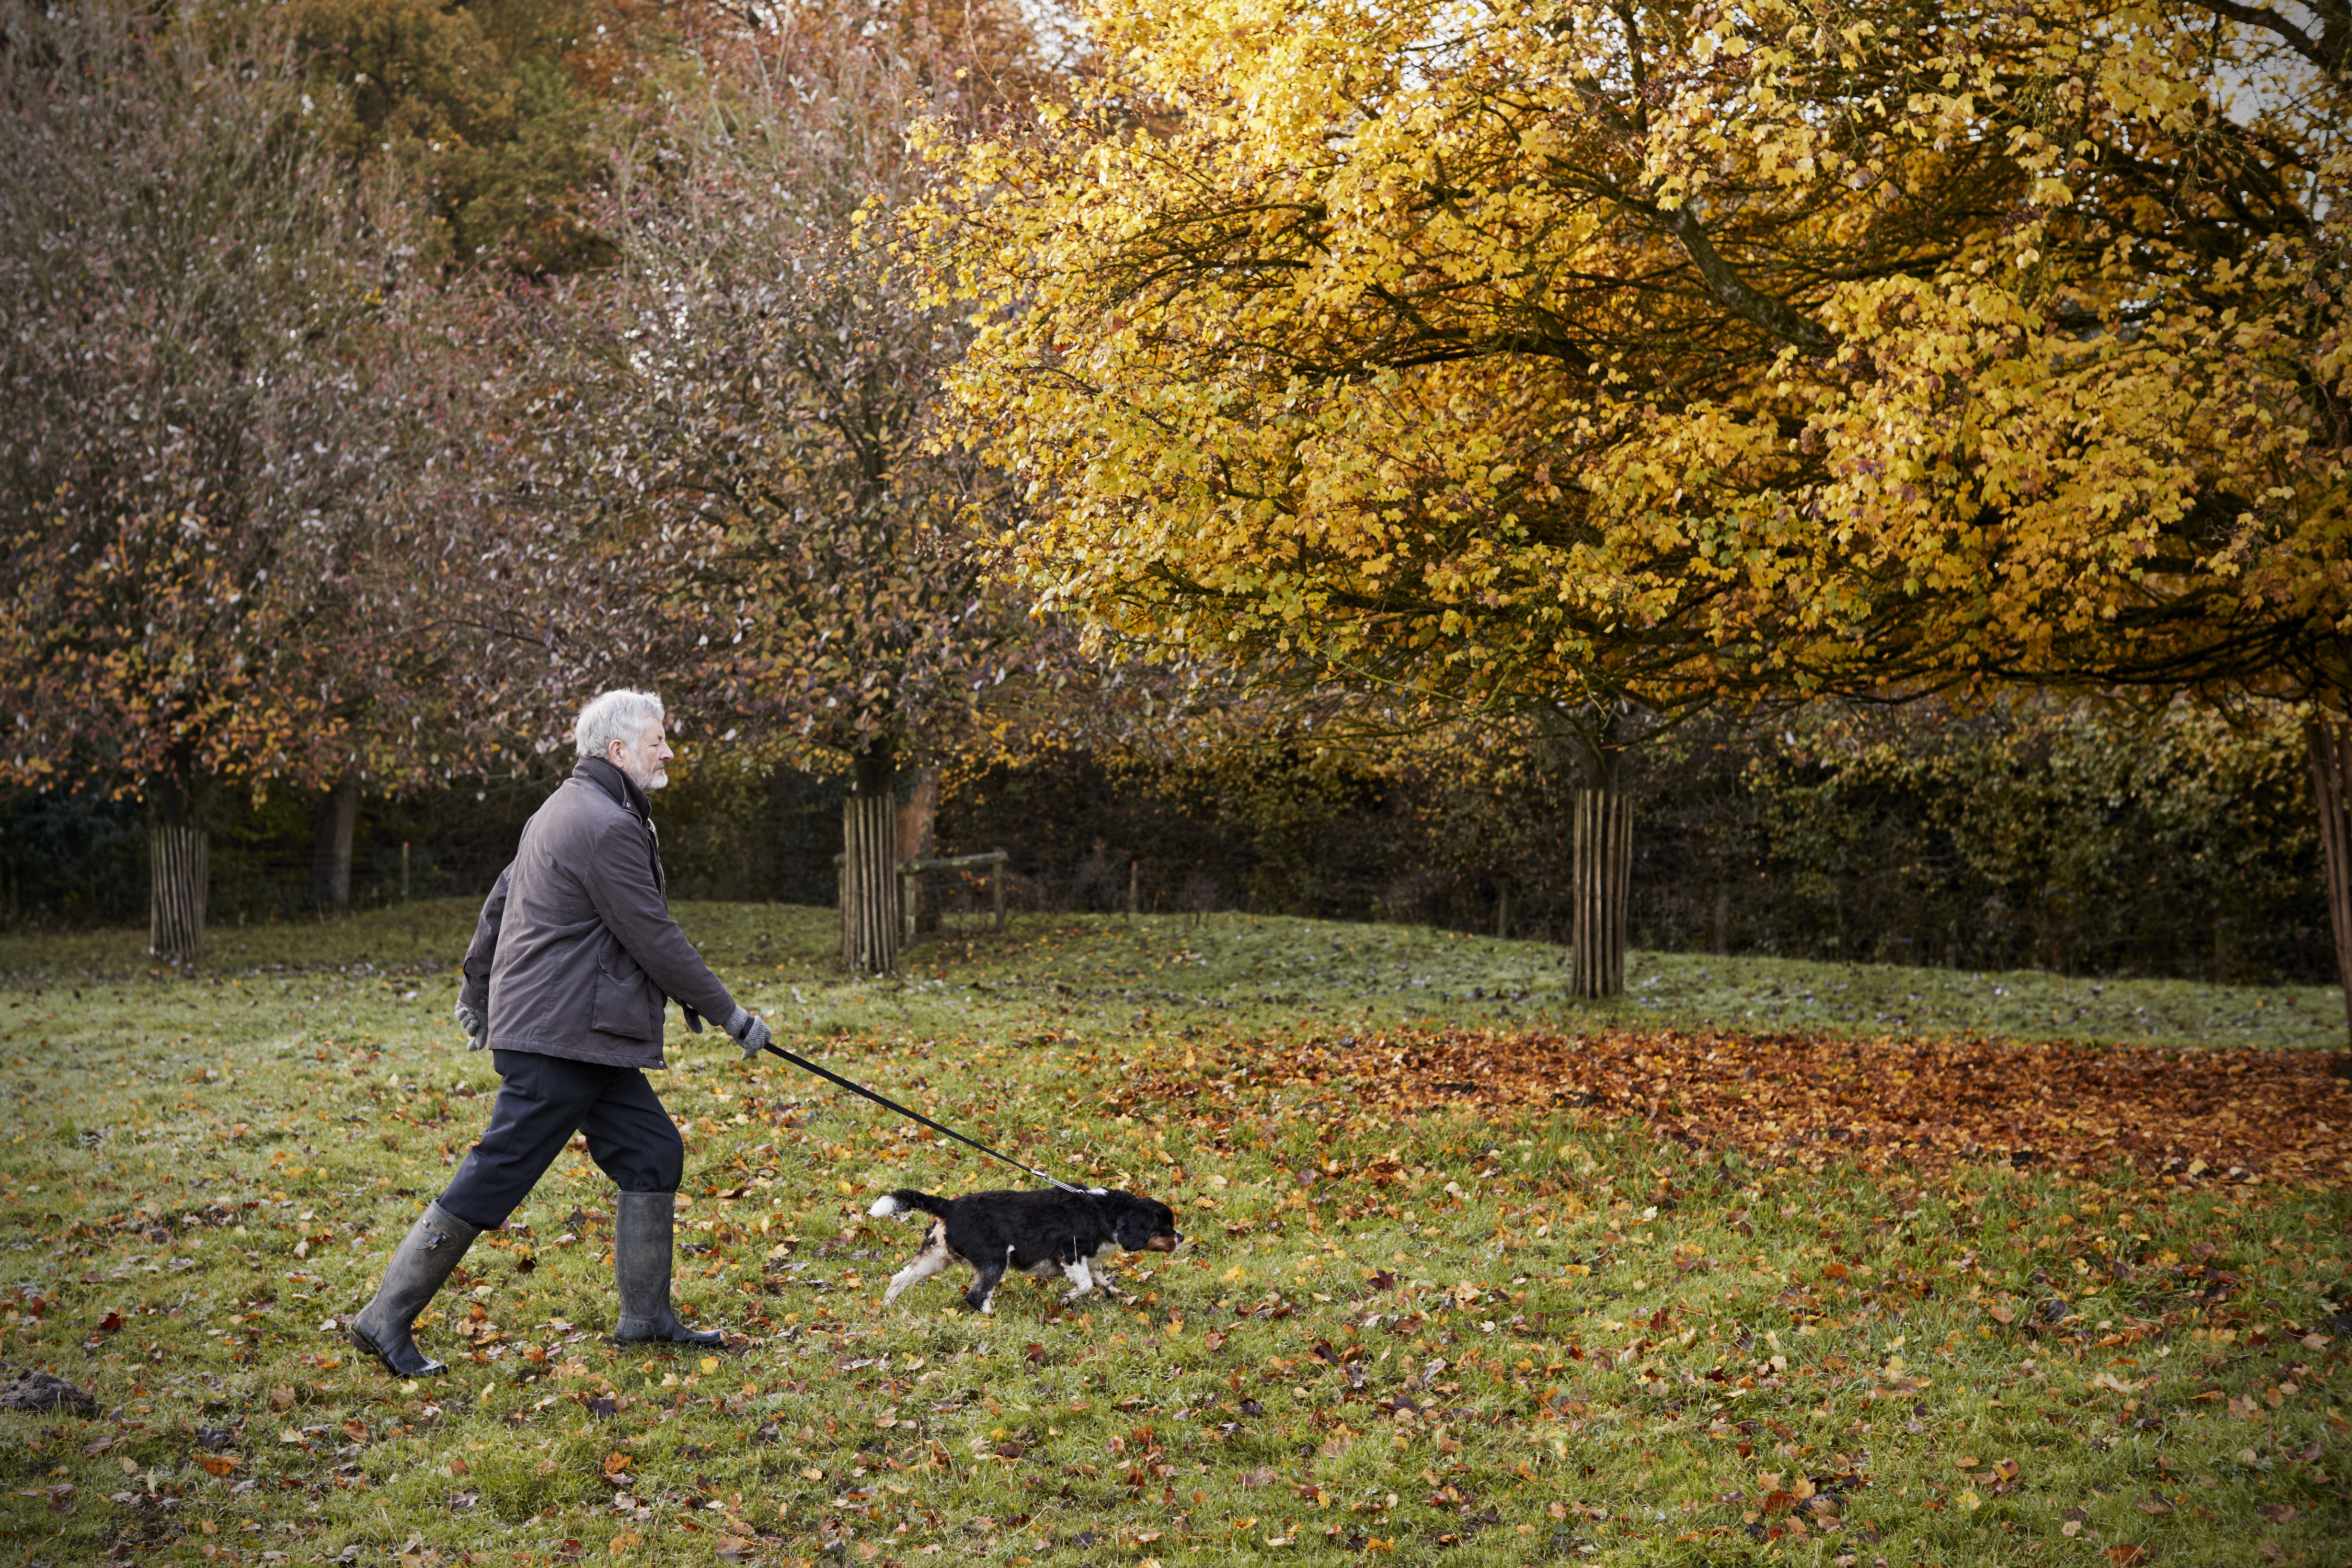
[1142,1224]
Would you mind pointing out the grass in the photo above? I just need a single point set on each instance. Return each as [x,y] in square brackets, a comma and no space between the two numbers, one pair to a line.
[1449,1338]
[1258,972]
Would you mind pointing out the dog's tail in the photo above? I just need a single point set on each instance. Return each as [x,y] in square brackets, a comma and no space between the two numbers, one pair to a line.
[906,1200]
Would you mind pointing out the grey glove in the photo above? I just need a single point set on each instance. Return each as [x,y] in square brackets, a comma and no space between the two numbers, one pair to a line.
[750,1033]
[477,1026]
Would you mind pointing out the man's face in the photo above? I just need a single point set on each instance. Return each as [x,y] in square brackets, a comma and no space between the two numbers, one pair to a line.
[643,761]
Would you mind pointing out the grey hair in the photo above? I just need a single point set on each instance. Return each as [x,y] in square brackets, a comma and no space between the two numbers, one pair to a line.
[617,715]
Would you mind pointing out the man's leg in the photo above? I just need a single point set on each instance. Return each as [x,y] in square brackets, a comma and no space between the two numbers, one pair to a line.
[540,1102]
[631,1136]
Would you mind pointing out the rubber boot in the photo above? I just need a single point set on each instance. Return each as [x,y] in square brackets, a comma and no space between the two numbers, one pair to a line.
[431,1248]
[641,1262]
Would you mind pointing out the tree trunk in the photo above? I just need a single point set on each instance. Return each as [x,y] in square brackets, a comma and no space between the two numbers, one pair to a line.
[331,822]
[869,868]
[178,853]
[1603,872]
[2330,742]
[918,819]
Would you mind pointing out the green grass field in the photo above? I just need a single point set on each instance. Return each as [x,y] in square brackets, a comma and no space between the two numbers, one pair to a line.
[1455,1338]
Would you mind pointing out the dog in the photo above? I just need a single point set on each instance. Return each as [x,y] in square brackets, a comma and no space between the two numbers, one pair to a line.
[1041,1234]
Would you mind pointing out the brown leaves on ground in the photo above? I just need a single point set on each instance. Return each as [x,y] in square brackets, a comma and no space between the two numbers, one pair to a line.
[2199,1114]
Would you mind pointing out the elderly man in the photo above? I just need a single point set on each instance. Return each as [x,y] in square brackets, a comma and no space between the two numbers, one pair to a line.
[565,982]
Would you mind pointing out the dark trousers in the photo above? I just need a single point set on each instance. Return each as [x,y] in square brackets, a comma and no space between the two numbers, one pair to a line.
[545,1100]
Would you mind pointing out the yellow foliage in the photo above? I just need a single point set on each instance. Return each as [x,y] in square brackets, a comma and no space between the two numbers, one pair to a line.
[1548,348]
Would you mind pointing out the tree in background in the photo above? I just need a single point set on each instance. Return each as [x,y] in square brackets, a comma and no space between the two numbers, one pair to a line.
[497,116]
[194,315]
[1583,358]
[494,111]
[714,470]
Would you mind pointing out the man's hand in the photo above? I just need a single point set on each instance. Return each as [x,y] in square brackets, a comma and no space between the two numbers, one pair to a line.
[477,1026]
[750,1033]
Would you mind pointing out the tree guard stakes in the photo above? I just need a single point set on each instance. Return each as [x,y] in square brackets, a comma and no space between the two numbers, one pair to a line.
[1602,867]
[869,917]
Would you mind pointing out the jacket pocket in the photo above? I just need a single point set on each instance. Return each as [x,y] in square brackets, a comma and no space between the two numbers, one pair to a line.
[625,1002]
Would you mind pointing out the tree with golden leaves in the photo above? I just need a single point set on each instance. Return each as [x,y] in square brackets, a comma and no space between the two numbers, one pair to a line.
[1612,358]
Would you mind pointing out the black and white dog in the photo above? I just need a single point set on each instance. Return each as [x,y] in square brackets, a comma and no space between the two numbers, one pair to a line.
[1042,1234]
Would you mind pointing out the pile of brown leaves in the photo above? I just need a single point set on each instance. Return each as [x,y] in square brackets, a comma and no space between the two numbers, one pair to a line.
[2195,1115]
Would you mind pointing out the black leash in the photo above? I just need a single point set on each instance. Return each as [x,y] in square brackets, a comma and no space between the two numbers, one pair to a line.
[888,1104]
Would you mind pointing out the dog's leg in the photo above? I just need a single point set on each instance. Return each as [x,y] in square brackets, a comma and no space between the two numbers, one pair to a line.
[931,1260]
[1103,1282]
[981,1297]
[1081,1277]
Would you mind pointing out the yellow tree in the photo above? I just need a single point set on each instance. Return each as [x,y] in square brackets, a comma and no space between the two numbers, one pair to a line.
[1607,357]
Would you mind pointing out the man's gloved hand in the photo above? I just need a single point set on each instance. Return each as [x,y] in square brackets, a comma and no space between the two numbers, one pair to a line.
[477,1026]
[750,1033]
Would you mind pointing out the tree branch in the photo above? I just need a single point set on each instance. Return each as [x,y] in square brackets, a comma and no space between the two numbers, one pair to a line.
[1735,292]
[2327,51]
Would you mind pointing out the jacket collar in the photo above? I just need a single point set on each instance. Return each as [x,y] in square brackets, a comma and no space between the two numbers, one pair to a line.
[618,785]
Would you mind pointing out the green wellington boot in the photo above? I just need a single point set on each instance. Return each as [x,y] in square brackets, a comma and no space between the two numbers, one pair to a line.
[431,1248]
[641,1264]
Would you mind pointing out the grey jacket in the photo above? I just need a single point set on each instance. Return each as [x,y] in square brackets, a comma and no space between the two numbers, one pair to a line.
[575,949]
